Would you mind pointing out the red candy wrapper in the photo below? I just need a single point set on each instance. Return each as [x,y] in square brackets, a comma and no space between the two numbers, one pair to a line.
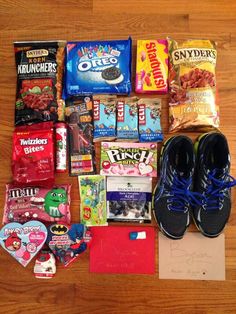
[35,203]
[33,155]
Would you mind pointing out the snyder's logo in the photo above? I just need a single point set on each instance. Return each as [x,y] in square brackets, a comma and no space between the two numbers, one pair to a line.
[188,55]
[36,53]
[84,66]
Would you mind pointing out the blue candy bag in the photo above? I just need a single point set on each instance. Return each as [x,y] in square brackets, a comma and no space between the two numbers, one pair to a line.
[98,67]
[149,112]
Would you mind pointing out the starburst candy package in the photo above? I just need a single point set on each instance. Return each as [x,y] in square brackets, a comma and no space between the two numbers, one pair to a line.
[98,67]
[152,67]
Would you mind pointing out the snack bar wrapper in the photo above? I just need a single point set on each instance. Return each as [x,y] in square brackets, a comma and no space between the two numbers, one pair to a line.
[127,119]
[104,117]
[149,112]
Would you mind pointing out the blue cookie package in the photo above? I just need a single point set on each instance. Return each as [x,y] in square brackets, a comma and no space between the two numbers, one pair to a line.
[98,67]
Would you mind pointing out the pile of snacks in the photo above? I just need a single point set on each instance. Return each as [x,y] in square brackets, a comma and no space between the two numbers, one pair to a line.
[62,114]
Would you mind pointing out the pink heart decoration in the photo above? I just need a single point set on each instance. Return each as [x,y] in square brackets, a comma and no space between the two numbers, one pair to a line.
[23,242]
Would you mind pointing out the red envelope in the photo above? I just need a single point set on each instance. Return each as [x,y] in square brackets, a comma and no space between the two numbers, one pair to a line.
[112,251]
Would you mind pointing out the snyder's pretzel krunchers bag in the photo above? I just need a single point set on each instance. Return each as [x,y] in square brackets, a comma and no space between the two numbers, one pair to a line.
[192,85]
[39,66]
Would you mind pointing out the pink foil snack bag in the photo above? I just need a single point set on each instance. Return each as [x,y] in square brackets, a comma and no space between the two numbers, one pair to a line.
[128,159]
[152,67]
[23,204]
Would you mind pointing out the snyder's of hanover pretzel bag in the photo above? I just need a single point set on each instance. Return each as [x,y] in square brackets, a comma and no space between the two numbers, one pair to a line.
[192,84]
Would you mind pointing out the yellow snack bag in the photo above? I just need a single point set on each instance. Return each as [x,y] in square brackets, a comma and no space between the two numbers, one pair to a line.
[192,84]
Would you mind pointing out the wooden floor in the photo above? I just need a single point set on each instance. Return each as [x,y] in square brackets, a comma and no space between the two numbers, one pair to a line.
[75,290]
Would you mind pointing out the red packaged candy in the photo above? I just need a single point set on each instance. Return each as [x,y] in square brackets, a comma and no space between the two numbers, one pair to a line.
[23,204]
[33,155]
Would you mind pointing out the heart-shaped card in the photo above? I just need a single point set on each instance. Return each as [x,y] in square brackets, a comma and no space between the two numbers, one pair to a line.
[23,242]
[68,242]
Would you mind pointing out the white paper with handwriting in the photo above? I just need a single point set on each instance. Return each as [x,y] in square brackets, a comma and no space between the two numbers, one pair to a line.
[193,257]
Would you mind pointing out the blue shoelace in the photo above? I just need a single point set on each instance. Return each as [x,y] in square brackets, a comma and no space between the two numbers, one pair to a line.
[181,196]
[216,190]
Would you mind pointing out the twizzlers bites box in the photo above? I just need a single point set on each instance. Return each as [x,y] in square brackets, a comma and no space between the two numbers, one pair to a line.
[152,67]
[129,159]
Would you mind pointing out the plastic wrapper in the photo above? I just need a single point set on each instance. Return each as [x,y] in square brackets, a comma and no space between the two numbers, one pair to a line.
[192,82]
[39,66]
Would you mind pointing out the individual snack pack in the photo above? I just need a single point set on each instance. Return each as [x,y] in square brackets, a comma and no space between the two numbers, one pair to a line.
[39,66]
[128,159]
[149,113]
[127,119]
[23,204]
[45,265]
[33,155]
[23,242]
[104,116]
[129,199]
[67,242]
[78,114]
[152,67]
[98,67]
[92,190]
[192,85]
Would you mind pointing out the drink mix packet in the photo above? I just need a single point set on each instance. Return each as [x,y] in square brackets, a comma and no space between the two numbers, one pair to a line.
[152,67]
[33,155]
[149,112]
[127,119]
[104,117]
[39,66]
[192,79]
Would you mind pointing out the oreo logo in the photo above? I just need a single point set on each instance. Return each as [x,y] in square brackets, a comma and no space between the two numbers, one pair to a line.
[96,63]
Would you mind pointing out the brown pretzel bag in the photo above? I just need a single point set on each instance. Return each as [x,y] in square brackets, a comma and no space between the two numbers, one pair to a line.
[192,84]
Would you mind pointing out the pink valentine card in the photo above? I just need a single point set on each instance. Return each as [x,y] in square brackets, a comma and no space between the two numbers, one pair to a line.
[114,252]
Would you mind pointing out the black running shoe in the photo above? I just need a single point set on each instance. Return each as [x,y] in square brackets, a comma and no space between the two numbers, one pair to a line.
[213,181]
[171,199]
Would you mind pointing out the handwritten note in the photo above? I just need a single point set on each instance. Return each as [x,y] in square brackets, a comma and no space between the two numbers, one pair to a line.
[194,257]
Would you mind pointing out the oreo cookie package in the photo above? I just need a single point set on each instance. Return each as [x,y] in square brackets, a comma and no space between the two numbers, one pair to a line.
[98,67]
